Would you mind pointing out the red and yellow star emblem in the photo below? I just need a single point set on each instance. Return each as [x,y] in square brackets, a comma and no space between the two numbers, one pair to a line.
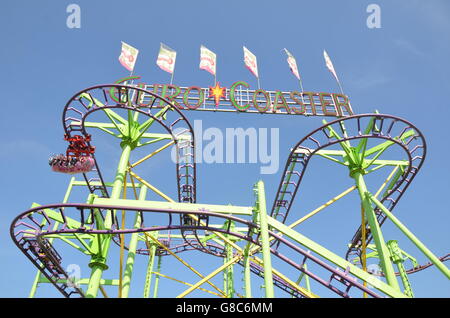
[217,92]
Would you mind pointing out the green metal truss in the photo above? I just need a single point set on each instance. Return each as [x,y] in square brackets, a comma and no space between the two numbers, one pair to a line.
[359,161]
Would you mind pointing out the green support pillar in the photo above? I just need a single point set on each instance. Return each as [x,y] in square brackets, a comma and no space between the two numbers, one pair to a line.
[247,272]
[435,260]
[306,277]
[380,244]
[35,285]
[151,262]
[132,249]
[98,262]
[228,274]
[264,237]
[397,258]
[158,270]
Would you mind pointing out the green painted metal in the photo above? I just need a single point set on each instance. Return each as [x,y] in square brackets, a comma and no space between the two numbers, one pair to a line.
[435,260]
[306,277]
[132,135]
[260,209]
[85,281]
[150,263]
[158,270]
[39,275]
[247,272]
[228,273]
[330,154]
[176,206]
[383,251]
[333,258]
[397,258]
[35,285]
[394,180]
[344,145]
[129,265]
[98,262]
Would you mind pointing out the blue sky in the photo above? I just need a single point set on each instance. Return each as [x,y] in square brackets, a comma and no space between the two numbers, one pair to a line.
[400,69]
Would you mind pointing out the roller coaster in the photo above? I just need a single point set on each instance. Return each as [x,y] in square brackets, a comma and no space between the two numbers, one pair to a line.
[254,237]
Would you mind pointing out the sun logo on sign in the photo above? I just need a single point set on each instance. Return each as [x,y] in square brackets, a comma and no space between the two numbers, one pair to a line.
[217,92]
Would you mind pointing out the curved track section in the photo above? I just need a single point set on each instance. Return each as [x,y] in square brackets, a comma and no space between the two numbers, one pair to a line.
[114,96]
[35,224]
[385,127]
[127,97]
[418,268]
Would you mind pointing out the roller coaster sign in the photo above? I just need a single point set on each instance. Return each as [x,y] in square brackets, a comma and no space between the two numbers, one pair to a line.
[240,98]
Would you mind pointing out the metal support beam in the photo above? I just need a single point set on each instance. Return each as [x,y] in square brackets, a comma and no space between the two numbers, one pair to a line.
[247,272]
[333,258]
[375,229]
[132,249]
[264,237]
[209,276]
[98,262]
[412,237]
[397,258]
[150,264]
[158,270]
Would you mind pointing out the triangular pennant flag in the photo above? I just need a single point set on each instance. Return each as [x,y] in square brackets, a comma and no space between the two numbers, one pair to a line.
[292,64]
[331,69]
[329,64]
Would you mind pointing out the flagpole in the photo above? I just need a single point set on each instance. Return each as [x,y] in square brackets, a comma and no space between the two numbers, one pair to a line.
[339,82]
[301,87]
[340,86]
[301,84]
[171,77]
[259,85]
[165,50]
[131,74]
[215,71]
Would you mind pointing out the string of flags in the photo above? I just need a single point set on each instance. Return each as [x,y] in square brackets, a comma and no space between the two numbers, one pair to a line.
[208,61]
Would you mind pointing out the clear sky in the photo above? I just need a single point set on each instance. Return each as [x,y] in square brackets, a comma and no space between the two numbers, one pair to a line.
[400,69]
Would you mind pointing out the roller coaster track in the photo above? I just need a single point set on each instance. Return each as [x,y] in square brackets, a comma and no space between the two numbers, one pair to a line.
[103,97]
[417,268]
[385,127]
[111,96]
[30,228]
[219,250]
